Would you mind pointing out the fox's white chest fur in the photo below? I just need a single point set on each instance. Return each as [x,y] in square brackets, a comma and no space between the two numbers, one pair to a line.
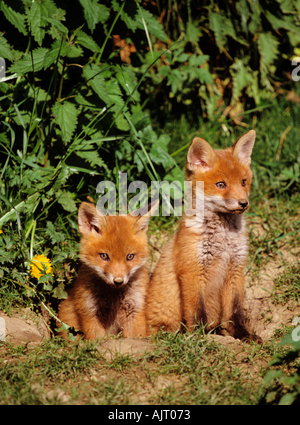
[222,237]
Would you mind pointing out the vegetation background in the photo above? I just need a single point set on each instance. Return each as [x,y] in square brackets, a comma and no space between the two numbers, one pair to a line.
[94,88]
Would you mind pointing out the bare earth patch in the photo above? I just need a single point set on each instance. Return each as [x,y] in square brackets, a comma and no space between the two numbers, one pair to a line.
[25,327]
[263,316]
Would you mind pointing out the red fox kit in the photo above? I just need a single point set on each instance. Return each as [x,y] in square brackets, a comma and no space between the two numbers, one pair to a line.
[200,275]
[109,292]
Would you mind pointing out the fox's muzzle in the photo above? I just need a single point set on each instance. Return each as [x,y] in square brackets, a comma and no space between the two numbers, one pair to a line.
[118,281]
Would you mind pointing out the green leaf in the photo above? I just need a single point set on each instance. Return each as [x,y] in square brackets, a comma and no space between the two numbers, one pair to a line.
[62,177]
[193,32]
[5,50]
[165,70]
[255,13]
[59,292]
[270,397]
[287,399]
[86,41]
[56,237]
[45,278]
[36,21]
[135,17]
[285,22]
[103,13]
[117,101]
[244,12]
[15,18]
[253,88]
[57,28]
[297,5]
[58,48]
[128,81]
[287,6]
[228,29]
[14,212]
[63,327]
[66,117]
[240,77]
[129,13]
[89,153]
[203,75]
[93,74]
[183,57]
[139,159]
[91,11]
[66,201]
[84,101]
[113,87]
[153,26]
[32,61]
[198,60]
[174,80]
[39,15]
[61,29]
[267,46]
[121,123]
[49,7]
[216,22]
[158,152]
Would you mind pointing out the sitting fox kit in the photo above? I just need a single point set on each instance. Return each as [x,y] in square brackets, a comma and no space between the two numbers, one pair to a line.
[200,275]
[109,292]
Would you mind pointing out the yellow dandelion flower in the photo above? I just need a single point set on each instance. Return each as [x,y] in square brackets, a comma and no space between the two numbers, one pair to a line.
[1,231]
[40,266]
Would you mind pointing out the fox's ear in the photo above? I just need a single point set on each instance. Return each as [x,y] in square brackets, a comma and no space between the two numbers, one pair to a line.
[143,220]
[91,219]
[200,156]
[242,149]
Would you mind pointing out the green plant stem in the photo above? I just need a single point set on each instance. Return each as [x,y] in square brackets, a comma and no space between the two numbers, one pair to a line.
[32,239]
[109,33]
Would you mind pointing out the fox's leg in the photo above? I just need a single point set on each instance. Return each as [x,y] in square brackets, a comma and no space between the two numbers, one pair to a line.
[192,287]
[67,314]
[233,305]
[92,329]
[88,325]
[200,288]
[135,325]
[163,301]
[163,304]
[140,324]
[71,314]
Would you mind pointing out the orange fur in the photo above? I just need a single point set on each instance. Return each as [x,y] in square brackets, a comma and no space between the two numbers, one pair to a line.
[199,277]
[109,292]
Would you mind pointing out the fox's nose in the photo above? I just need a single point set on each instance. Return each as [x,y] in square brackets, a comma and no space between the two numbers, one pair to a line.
[243,203]
[118,280]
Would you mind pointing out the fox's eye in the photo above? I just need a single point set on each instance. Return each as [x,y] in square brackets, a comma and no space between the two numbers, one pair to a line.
[221,185]
[244,182]
[130,257]
[104,257]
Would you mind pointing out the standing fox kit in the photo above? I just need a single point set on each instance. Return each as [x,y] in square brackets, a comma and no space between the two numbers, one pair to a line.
[200,275]
[109,292]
